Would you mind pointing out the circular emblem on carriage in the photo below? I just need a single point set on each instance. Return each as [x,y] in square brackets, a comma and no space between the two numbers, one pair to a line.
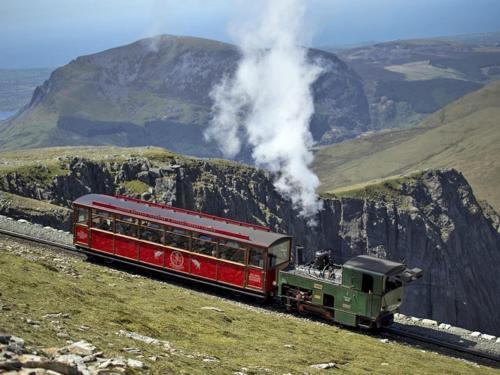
[177,259]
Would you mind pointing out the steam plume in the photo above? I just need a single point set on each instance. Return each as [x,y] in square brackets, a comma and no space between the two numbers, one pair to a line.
[269,100]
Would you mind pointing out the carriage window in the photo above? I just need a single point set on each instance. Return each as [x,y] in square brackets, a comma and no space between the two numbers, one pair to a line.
[82,216]
[229,250]
[204,244]
[126,229]
[102,220]
[177,238]
[256,259]
[278,253]
[101,213]
[150,231]
[128,219]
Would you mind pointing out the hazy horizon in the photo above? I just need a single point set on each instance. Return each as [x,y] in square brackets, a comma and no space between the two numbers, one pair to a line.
[50,33]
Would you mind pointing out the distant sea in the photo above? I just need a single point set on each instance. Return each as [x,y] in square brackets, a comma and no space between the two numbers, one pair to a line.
[4,115]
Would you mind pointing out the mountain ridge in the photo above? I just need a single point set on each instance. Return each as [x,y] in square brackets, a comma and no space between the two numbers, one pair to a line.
[152,91]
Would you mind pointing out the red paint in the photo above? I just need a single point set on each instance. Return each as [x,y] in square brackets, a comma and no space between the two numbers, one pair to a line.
[102,241]
[204,267]
[255,278]
[270,277]
[150,254]
[177,260]
[81,235]
[125,247]
[231,273]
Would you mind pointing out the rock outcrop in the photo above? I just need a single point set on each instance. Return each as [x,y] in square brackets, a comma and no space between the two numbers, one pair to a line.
[431,220]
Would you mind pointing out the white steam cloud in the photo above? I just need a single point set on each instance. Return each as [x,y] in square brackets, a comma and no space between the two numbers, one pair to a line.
[269,100]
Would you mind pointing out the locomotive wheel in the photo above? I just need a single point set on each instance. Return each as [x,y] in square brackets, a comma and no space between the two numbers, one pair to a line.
[328,315]
[301,308]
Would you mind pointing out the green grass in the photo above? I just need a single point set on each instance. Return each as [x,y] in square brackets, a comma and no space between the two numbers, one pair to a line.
[464,135]
[107,301]
[41,174]
[27,204]
[136,187]
[380,189]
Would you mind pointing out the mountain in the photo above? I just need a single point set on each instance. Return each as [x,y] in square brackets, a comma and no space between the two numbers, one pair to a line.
[407,80]
[156,92]
[431,219]
[464,135]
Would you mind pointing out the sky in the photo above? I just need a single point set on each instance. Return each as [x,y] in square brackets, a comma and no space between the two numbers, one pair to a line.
[50,33]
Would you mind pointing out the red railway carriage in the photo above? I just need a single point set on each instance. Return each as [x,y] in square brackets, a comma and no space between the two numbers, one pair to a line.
[189,244]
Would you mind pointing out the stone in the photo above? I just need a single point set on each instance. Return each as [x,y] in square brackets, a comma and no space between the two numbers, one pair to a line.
[4,339]
[131,350]
[50,352]
[30,360]
[444,326]
[10,365]
[324,366]
[16,345]
[288,346]
[414,319]
[92,357]
[23,221]
[212,308]
[385,341]
[429,322]
[113,362]
[134,363]
[63,365]
[34,371]
[475,334]
[488,337]
[33,322]
[81,348]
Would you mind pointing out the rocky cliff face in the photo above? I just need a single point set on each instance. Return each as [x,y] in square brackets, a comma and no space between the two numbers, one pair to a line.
[156,92]
[431,220]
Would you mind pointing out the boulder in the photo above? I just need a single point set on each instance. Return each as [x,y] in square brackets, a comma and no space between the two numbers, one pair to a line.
[324,366]
[82,348]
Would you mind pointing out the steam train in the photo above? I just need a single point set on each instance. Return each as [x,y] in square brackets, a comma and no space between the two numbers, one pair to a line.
[245,258]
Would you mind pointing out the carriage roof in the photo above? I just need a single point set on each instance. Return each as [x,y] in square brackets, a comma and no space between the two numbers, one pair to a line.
[190,220]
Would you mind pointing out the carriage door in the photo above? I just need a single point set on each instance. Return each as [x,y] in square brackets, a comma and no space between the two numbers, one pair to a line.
[81,226]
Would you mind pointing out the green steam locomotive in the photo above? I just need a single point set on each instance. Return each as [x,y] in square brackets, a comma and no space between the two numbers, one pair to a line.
[363,292]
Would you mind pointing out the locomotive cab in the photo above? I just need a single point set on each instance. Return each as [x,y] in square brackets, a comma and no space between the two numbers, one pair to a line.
[379,287]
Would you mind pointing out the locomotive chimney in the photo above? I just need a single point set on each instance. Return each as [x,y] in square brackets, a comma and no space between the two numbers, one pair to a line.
[299,253]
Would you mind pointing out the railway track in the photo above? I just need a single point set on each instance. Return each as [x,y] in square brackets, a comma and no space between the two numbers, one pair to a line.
[490,359]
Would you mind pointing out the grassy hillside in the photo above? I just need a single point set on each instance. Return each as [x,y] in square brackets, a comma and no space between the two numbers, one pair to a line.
[407,80]
[230,337]
[464,135]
